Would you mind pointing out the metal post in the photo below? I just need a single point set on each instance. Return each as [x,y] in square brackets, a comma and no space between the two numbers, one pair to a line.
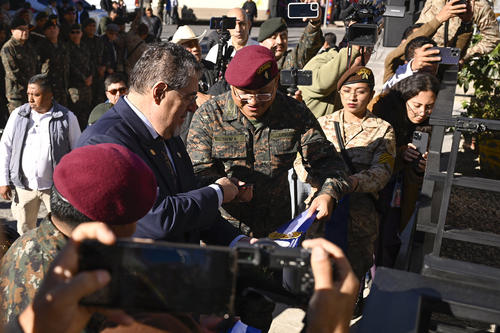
[326,13]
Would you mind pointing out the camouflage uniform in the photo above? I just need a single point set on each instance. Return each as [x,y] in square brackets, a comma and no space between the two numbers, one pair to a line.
[309,44]
[371,149]
[24,265]
[483,18]
[20,63]
[95,48]
[54,60]
[223,142]
[80,95]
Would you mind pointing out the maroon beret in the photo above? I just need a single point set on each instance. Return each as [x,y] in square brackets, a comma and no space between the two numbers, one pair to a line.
[252,68]
[357,74]
[106,182]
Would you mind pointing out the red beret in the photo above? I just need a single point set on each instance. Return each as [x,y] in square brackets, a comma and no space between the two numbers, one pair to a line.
[106,182]
[252,68]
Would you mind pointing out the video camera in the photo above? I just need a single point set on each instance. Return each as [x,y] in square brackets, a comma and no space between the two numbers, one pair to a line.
[224,51]
[173,277]
[364,31]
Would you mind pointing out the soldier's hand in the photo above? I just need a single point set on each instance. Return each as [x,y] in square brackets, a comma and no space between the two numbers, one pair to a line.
[450,9]
[323,203]
[332,304]
[56,307]
[298,96]
[6,192]
[230,190]
[468,16]
[245,191]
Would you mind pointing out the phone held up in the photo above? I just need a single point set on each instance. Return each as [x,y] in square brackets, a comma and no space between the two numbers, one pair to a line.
[298,10]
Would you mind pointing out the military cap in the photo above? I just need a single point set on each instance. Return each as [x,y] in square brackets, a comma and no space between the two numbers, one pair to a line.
[270,27]
[76,26]
[49,24]
[357,74]
[106,182]
[252,68]
[17,22]
[68,10]
[41,16]
[112,28]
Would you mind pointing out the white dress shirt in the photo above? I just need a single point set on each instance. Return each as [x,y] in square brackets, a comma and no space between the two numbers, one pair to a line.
[36,160]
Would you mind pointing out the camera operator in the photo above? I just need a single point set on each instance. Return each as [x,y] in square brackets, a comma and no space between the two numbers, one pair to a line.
[479,13]
[421,58]
[397,56]
[56,307]
[240,35]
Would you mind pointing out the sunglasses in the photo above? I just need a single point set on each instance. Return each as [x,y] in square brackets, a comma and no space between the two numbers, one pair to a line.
[76,31]
[122,90]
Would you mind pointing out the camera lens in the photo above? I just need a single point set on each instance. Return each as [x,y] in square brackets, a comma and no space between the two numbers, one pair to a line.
[314,6]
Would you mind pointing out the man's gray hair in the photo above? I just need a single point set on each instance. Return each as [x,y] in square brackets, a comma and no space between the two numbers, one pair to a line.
[167,62]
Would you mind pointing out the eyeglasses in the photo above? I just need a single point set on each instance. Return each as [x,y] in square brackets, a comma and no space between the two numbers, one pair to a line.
[355,93]
[427,110]
[122,90]
[76,31]
[245,98]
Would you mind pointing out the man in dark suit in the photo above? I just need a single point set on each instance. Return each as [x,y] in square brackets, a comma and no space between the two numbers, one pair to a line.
[163,87]
[81,14]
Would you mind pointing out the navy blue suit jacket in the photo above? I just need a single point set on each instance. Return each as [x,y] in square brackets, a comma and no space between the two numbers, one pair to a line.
[187,214]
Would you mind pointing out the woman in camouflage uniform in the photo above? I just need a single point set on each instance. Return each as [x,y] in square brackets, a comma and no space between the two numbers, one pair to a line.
[369,154]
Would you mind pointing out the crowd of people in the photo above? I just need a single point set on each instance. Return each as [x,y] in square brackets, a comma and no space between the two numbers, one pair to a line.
[158,143]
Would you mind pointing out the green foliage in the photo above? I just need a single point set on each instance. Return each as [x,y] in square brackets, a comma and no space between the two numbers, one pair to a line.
[482,74]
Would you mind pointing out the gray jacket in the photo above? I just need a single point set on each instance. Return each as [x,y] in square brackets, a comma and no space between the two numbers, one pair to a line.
[59,140]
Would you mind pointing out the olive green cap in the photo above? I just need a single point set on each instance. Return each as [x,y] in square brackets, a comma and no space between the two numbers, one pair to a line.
[270,27]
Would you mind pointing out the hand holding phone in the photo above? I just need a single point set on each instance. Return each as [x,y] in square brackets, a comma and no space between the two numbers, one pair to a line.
[451,9]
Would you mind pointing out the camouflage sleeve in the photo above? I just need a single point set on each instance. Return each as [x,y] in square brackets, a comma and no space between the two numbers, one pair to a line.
[199,145]
[75,71]
[485,20]
[378,174]
[428,12]
[309,44]
[12,69]
[321,161]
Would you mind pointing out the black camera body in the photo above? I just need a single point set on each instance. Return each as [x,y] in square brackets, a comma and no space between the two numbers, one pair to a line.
[222,23]
[174,277]
[295,77]
[364,31]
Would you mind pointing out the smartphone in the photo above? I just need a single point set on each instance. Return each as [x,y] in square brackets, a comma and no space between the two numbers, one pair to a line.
[222,23]
[420,140]
[298,10]
[299,77]
[449,55]
[162,277]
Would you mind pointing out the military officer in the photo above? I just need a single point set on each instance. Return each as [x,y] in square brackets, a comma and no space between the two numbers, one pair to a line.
[252,135]
[273,34]
[20,63]
[54,60]
[369,152]
[479,13]
[80,76]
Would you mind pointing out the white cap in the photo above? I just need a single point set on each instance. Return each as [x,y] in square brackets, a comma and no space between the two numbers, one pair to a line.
[184,33]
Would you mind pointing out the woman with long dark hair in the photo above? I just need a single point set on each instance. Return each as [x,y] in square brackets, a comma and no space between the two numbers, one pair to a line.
[407,107]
